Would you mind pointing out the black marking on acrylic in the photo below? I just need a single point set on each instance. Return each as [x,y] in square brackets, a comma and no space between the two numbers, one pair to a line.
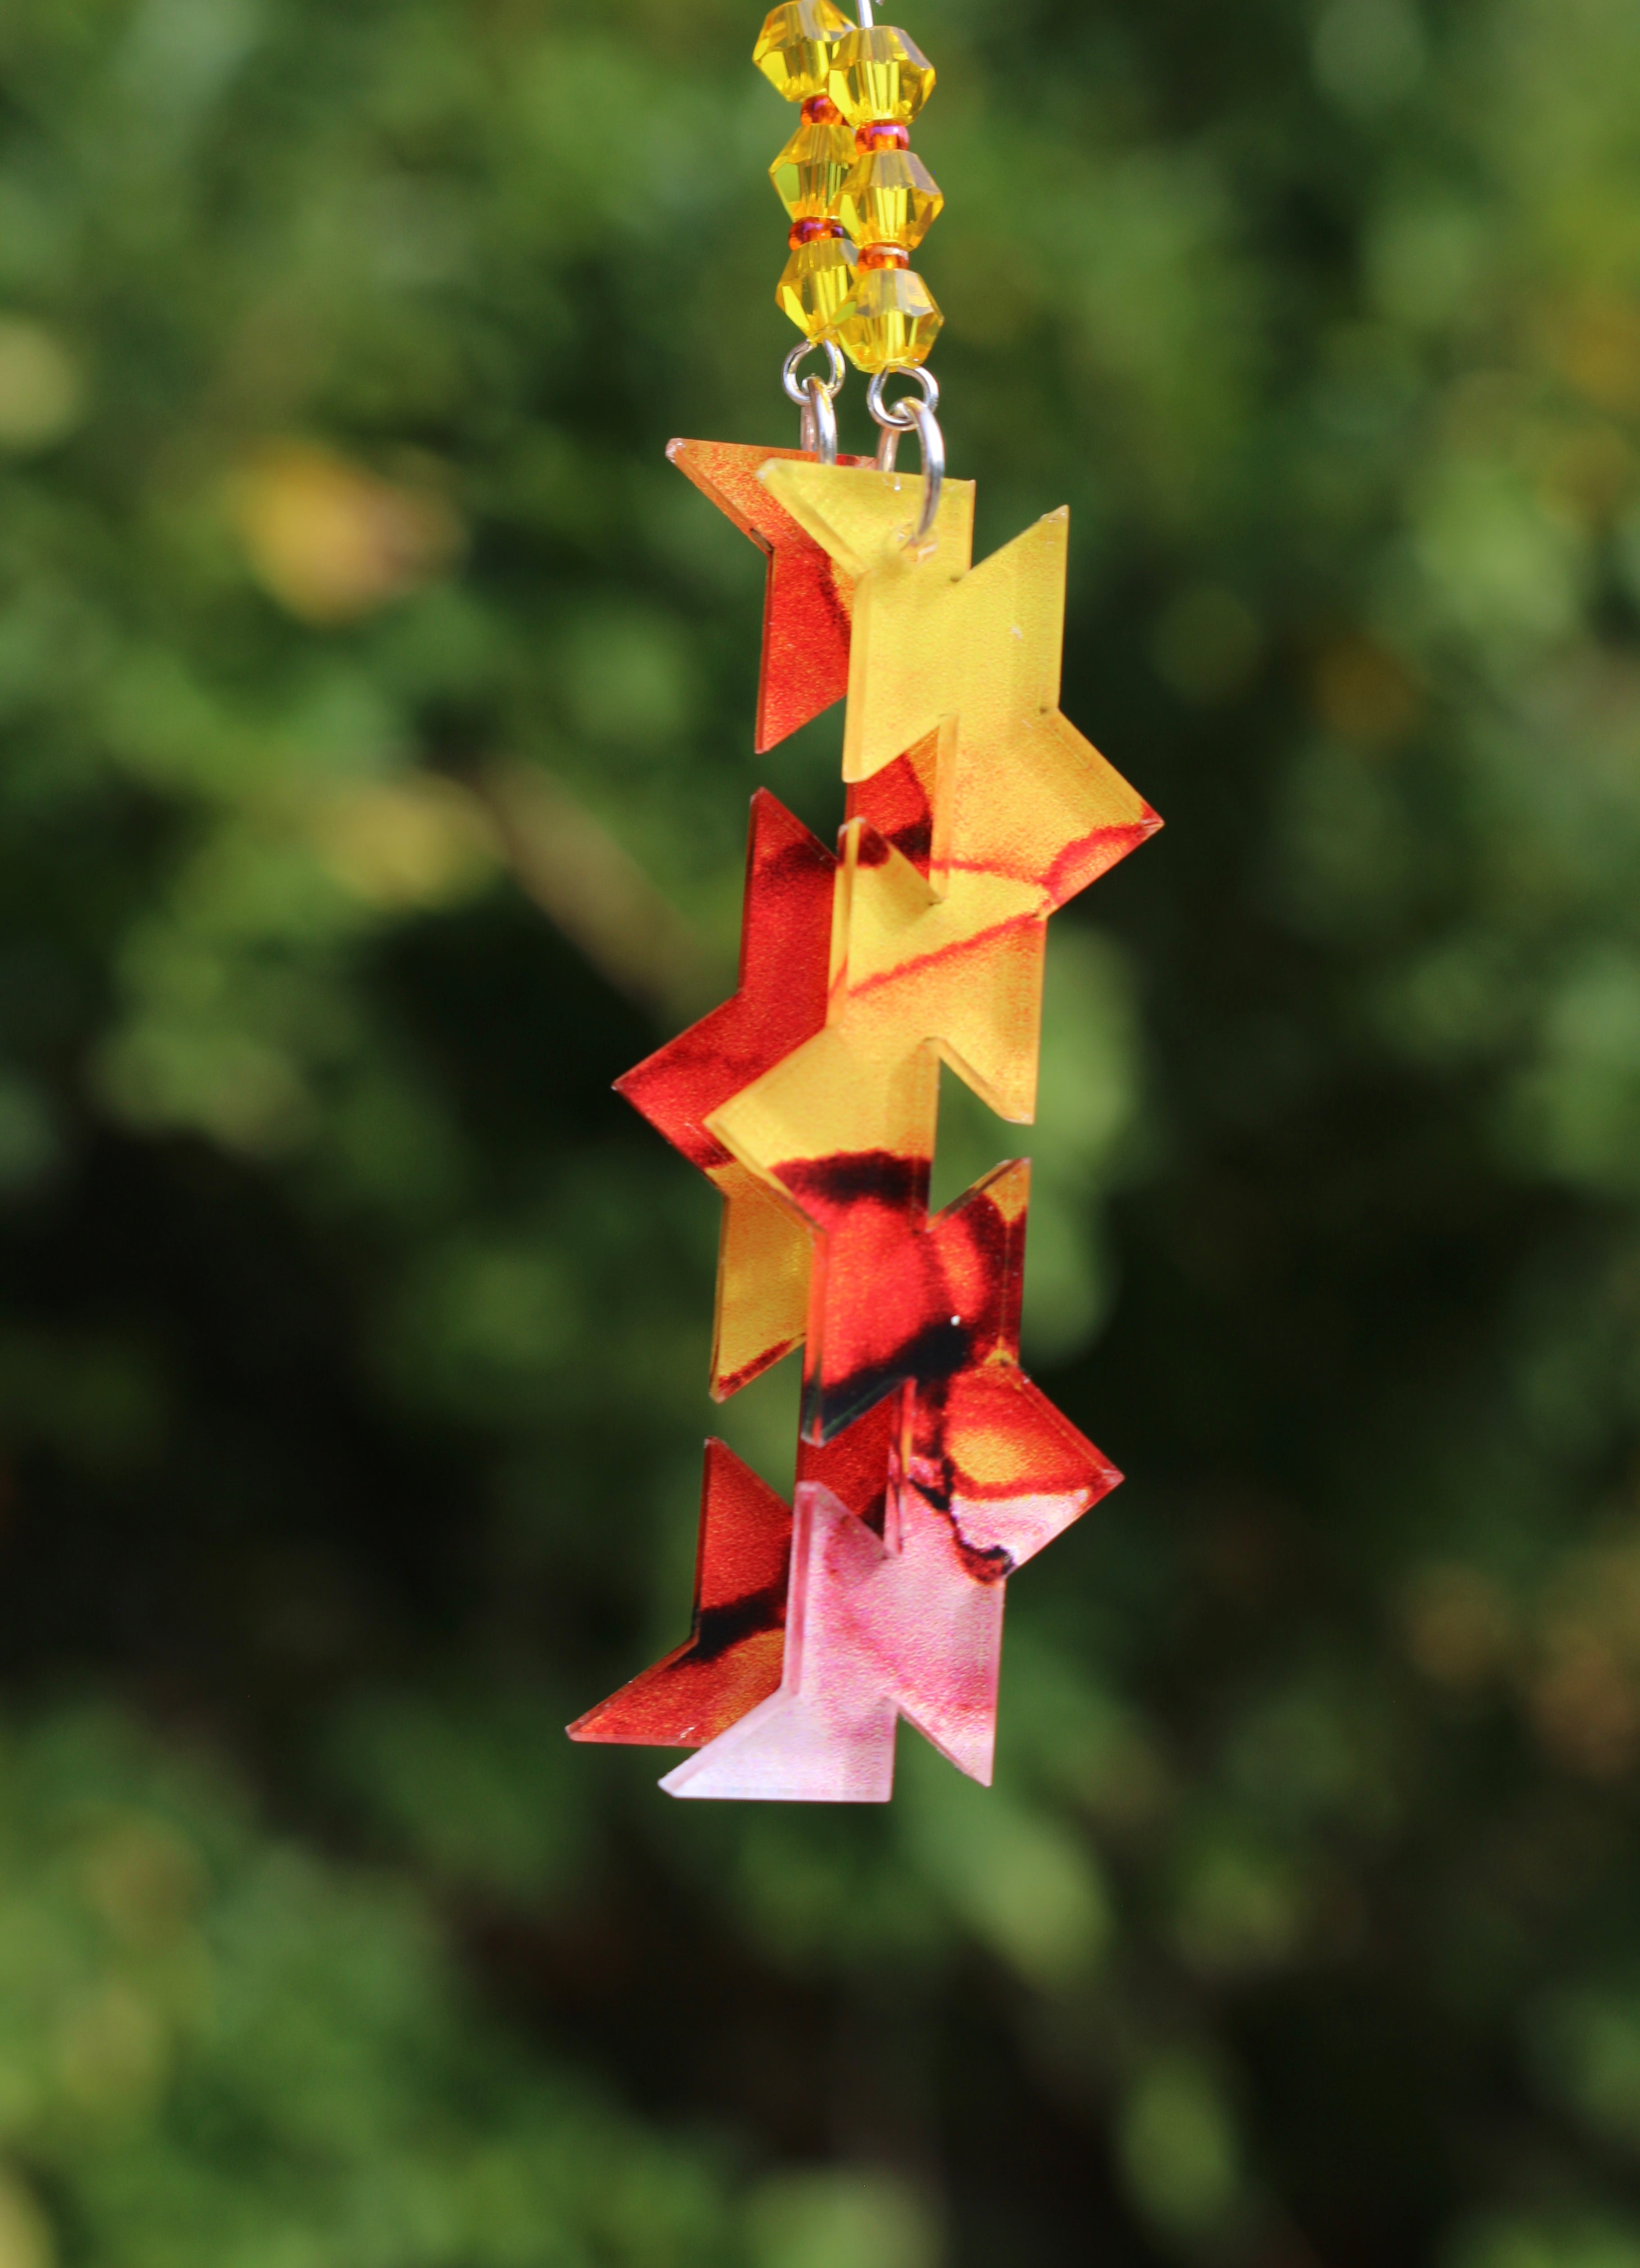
[937,1352]
[718,1629]
[858,1177]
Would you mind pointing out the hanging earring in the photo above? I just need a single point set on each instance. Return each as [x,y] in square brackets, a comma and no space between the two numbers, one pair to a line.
[929,1466]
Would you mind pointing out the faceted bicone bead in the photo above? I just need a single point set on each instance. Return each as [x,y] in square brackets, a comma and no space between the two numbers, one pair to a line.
[794,48]
[890,197]
[891,320]
[816,284]
[810,171]
[879,74]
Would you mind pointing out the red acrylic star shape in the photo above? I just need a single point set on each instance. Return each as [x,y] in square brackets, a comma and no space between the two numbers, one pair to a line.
[808,599]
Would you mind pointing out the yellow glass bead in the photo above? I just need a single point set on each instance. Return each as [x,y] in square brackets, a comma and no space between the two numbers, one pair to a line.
[816,284]
[890,197]
[877,74]
[810,171]
[793,49]
[890,321]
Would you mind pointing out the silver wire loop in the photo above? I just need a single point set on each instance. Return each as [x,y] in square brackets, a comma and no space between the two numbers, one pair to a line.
[918,416]
[820,421]
[816,397]
[911,413]
[892,415]
[796,387]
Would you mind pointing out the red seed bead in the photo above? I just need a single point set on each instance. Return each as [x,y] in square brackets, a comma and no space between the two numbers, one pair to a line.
[883,133]
[884,255]
[820,110]
[810,231]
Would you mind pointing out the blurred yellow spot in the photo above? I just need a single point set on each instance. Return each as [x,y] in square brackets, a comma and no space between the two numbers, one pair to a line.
[582,879]
[1582,1682]
[331,541]
[26,2238]
[111,2047]
[1584,1704]
[1487,411]
[1595,346]
[145,1882]
[409,843]
[1588,472]
[1361,693]
[42,394]
[1458,1625]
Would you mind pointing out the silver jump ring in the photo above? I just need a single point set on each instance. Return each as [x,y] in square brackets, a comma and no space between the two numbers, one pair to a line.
[895,415]
[820,421]
[796,387]
[919,415]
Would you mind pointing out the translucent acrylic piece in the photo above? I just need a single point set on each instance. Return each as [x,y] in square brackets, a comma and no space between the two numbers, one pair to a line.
[1012,1472]
[896,1297]
[1010,813]
[901,803]
[784,941]
[780,999]
[731,1659]
[935,637]
[808,599]
[828,1737]
[763,1258]
[909,1623]
[929,1466]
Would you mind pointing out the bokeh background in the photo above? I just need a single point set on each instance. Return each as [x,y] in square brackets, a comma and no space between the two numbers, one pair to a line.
[374,757]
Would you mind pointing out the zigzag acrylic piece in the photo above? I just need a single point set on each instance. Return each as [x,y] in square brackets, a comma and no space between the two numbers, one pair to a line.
[809,599]
[928,1466]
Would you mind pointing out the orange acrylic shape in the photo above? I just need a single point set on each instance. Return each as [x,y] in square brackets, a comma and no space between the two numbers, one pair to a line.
[763,1264]
[806,599]
[928,1466]
[732,1658]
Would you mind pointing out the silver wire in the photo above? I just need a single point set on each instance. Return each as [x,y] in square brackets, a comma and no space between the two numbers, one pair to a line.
[837,369]
[895,415]
[820,421]
[905,416]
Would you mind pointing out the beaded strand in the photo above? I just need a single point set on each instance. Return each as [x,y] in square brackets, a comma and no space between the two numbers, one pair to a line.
[859,201]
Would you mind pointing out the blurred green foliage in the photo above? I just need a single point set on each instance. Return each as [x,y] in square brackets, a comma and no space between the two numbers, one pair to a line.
[374,753]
